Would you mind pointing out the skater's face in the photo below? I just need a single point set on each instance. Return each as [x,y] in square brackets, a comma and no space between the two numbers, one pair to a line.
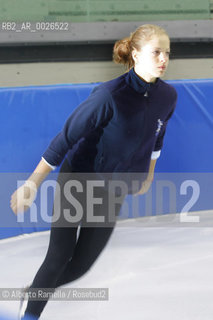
[152,60]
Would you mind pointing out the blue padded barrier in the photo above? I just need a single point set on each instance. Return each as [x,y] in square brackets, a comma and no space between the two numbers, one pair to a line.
[32,116]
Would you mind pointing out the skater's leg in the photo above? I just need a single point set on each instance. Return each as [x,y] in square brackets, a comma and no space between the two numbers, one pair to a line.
[61,247]
[90,244]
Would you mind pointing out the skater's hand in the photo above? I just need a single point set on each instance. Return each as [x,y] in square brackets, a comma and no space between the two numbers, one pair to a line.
[23,197]
[145,187]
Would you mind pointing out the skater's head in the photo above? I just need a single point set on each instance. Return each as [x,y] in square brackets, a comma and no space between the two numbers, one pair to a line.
[147,49]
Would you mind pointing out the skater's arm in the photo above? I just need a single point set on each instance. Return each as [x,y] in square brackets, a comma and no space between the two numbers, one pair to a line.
[40,173]
[150,176]
[147,183]
[23,197]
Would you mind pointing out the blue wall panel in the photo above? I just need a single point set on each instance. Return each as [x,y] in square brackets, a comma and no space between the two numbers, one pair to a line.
[31,116]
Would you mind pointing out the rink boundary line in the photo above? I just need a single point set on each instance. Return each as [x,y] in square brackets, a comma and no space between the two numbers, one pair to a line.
[24,236]
[176,215]
[121,221]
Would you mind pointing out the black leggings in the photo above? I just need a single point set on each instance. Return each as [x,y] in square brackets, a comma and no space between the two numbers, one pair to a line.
[68,257]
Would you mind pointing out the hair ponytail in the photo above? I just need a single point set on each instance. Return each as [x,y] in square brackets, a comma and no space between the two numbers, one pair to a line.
[122,52]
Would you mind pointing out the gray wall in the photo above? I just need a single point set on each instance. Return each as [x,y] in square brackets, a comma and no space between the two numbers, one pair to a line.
[81,72]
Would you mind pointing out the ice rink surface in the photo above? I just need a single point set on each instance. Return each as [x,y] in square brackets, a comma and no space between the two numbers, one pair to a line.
[153,270]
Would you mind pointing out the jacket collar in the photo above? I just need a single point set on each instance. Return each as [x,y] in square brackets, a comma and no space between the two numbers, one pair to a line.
[138,84]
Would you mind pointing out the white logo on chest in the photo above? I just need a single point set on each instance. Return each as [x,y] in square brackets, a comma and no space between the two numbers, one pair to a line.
[160,123]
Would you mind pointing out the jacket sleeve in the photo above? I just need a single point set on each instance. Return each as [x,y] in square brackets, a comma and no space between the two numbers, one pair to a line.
[93,113]
[160,139]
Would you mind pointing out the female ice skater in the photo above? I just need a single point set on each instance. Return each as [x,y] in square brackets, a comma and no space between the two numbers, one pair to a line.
[119,128]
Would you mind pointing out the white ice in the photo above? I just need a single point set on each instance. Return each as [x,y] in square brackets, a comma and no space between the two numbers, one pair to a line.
[154,270]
